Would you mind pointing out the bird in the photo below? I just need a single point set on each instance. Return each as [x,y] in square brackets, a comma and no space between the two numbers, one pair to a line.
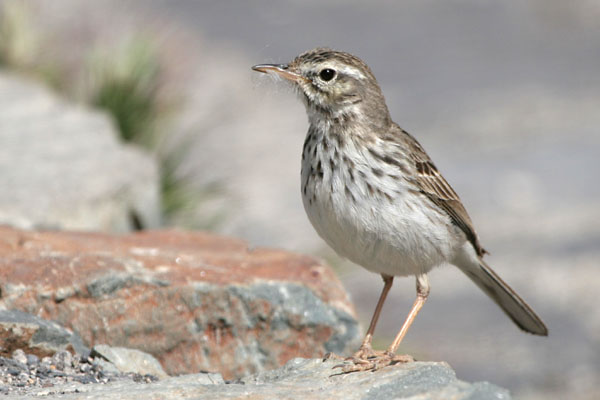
[374,195]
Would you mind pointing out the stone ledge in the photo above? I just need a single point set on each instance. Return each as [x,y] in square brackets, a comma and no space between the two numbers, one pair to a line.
[298,379]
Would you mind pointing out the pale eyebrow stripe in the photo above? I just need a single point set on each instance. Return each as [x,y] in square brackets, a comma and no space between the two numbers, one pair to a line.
[351,71]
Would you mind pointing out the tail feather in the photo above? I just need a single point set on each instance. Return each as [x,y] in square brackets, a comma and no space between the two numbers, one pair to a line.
[509,301]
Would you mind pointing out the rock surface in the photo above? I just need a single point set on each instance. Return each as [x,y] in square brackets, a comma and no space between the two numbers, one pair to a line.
[63,166]
[129,360]
[34,335]
[195,301]
[22,373]
[298,379]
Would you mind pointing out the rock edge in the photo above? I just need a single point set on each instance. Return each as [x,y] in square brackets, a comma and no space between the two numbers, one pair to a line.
[298,379]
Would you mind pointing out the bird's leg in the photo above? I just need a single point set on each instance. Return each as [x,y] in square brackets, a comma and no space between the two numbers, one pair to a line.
[365,351]
[422,293]
[389,357]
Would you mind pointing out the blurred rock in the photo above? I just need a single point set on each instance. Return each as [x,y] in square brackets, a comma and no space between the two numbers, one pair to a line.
[22,332]
[129,360]
[298,379]
[193,300]
[64,167]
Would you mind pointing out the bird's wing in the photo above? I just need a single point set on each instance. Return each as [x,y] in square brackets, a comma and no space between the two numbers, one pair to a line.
[433,185]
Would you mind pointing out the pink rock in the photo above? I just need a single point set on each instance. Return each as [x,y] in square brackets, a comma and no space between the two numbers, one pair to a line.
[195,301]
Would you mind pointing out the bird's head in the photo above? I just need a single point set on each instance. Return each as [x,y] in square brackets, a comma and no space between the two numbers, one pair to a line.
[334,85]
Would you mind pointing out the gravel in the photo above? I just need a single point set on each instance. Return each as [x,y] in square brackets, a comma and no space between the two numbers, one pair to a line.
[23,371]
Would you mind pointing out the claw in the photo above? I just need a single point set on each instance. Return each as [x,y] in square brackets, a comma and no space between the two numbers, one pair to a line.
[332,356]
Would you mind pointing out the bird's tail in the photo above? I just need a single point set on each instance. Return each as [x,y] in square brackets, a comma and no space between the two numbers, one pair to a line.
[502,294]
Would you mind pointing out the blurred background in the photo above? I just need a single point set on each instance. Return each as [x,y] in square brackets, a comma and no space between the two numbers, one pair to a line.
[505,97]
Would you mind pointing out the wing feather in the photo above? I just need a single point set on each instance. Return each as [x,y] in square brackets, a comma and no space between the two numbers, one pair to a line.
[433,185]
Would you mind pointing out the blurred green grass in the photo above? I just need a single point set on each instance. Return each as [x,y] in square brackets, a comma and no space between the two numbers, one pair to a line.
[18,38]
[127,81]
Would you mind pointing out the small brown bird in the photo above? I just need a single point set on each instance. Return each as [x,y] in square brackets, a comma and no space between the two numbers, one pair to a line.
[373,194]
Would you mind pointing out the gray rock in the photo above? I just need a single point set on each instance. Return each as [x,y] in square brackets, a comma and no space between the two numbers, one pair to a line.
[298,379]
[19,356]
[64,167]
[129,360]
[106,366]
[32,359]
[62,360]
[22,331]
[306,309]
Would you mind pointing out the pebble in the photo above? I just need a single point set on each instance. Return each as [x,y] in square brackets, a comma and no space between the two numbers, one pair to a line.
[19,356]
[32,359]
[23,371]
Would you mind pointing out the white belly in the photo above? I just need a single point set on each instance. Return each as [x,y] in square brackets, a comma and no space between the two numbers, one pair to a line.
[396,234]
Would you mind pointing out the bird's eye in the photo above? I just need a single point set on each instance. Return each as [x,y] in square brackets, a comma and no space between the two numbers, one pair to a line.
[327,74]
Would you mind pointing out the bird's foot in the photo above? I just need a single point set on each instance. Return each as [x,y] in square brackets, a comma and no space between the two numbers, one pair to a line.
[374,362]
[365,352]
[332,356]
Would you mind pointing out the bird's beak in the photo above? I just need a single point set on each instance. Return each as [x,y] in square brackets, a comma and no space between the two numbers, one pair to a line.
[278,69]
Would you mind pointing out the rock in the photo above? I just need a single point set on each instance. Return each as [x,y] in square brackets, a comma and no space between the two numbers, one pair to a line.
[19,356]
[130,360]
[64,167]
[62,360]
[106,365]
[22,333]
[298,379]
[195,301]
[32,359]
[22,373]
